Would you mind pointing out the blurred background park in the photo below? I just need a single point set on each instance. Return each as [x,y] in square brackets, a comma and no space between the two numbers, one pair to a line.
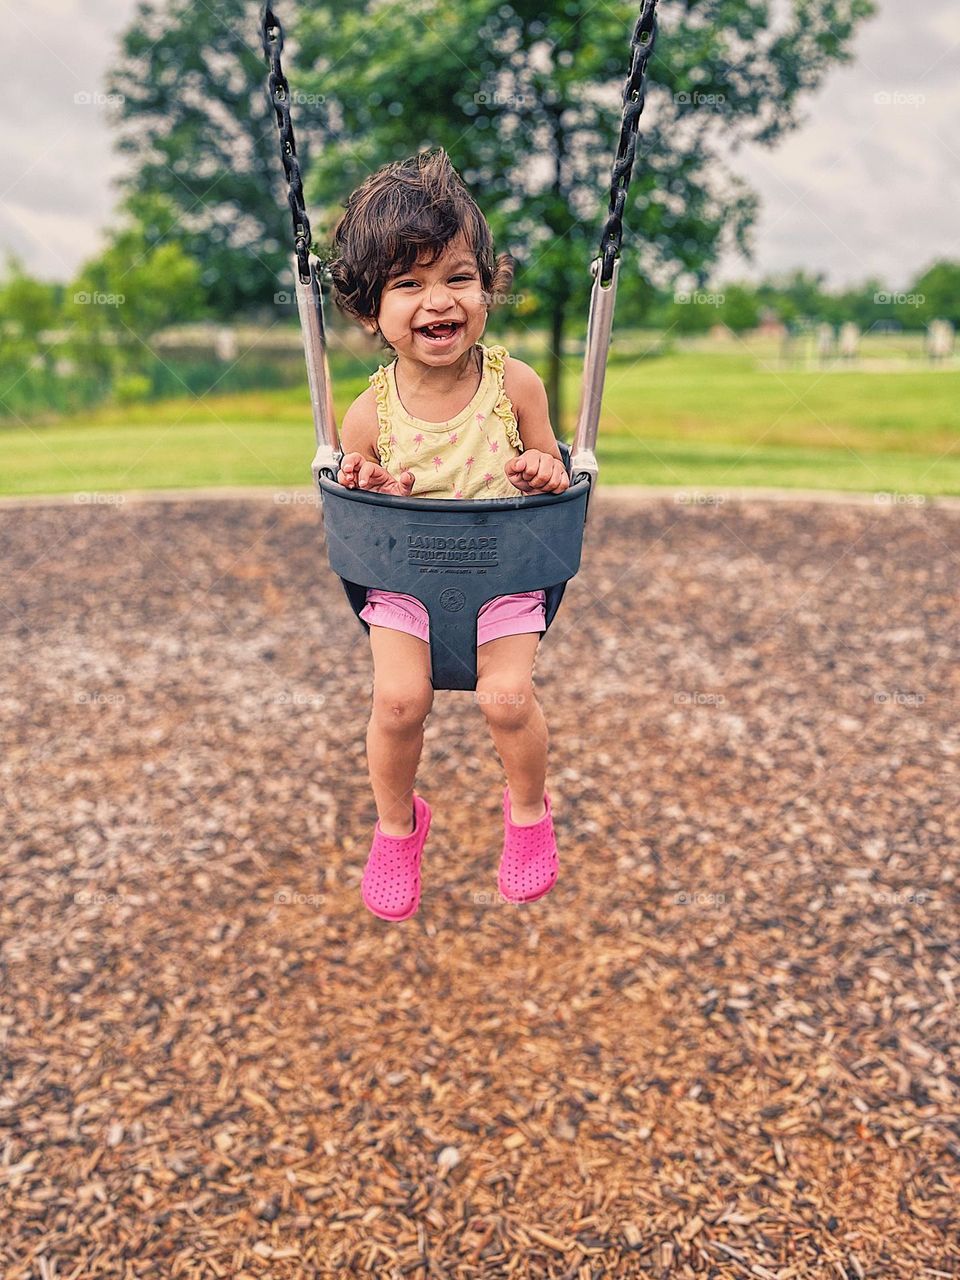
[790,279]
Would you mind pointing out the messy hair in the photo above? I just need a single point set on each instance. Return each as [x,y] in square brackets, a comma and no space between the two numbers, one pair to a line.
[406,212]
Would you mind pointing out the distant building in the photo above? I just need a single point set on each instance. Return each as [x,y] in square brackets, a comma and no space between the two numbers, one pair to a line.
[771,326]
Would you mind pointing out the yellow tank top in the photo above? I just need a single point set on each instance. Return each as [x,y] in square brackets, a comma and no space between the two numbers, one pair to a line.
[461,458]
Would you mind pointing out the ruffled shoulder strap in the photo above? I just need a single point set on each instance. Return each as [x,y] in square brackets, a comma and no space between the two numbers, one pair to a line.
[503,408]
[381,385]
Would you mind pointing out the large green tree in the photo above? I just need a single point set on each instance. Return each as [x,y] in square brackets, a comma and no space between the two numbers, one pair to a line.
[526,99]
[524,96]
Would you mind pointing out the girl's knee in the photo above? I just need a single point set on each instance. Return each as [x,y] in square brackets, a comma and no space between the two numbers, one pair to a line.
[506,703]
[399,709]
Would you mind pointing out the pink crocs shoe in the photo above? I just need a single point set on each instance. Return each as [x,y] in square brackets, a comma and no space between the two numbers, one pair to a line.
[391,879]
[529,865]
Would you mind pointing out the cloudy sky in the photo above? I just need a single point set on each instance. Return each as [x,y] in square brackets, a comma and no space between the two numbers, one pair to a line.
[868,185]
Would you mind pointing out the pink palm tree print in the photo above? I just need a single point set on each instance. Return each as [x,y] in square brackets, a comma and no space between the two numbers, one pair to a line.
[452,437]
[487,479]
[469,462]
[481,419]
[458,493]
[494,445]
[437,461]
[418,440]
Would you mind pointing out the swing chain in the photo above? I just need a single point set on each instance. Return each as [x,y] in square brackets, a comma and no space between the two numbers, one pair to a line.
[634,94]
[271,33]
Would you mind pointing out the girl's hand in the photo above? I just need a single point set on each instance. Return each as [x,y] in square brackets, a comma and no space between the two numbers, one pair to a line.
[358,472]
[537,472]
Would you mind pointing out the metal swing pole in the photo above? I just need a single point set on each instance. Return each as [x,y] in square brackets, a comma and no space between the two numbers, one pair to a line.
[306,266]
[606,268]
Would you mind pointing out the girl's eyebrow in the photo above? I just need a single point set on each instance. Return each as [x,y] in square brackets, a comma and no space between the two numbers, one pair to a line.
[463,262]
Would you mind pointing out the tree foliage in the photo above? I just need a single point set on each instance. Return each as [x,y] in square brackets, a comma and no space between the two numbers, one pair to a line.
[195,121]
[141,282]
[525,98]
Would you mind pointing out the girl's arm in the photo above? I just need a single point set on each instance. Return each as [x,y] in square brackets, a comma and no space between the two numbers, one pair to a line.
[539,469]
[360,465]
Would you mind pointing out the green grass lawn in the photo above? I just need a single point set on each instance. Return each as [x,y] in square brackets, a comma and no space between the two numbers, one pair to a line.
[724,418]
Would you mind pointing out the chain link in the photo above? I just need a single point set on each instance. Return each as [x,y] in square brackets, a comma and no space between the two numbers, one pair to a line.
[634,94]
[271,33]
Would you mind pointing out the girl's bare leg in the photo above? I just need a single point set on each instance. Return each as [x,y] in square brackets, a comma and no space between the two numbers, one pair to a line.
[402,700]
[517,725]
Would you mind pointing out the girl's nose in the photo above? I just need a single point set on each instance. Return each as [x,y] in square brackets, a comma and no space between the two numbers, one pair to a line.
[438,296]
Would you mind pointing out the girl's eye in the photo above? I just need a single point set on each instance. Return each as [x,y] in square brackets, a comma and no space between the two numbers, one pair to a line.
[404,283]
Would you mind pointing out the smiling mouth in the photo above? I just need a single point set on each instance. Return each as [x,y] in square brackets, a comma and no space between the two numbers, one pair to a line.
[439,332]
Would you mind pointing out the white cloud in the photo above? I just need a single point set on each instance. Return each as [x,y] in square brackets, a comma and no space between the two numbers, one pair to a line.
[875,163]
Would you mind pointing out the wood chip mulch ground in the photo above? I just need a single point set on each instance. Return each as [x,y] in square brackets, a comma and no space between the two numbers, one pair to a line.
[726,1044]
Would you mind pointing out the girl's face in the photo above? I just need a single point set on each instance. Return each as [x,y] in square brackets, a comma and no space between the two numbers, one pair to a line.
[448,294]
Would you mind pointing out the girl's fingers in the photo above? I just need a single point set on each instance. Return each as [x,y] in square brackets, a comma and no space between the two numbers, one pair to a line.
[372,475]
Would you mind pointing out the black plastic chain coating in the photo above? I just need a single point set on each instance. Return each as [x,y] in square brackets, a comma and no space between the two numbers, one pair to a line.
[634,93]
[271,34]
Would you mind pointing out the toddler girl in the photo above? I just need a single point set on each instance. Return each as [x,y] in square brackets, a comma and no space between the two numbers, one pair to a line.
[447,418]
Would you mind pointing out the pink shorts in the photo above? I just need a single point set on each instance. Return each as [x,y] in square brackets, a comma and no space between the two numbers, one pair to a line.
[501,616]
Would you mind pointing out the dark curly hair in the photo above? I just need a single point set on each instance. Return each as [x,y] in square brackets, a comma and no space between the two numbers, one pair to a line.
[407,210]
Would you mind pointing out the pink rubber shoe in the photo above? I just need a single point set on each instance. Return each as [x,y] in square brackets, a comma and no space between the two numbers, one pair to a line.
[391,879]
[529,865]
